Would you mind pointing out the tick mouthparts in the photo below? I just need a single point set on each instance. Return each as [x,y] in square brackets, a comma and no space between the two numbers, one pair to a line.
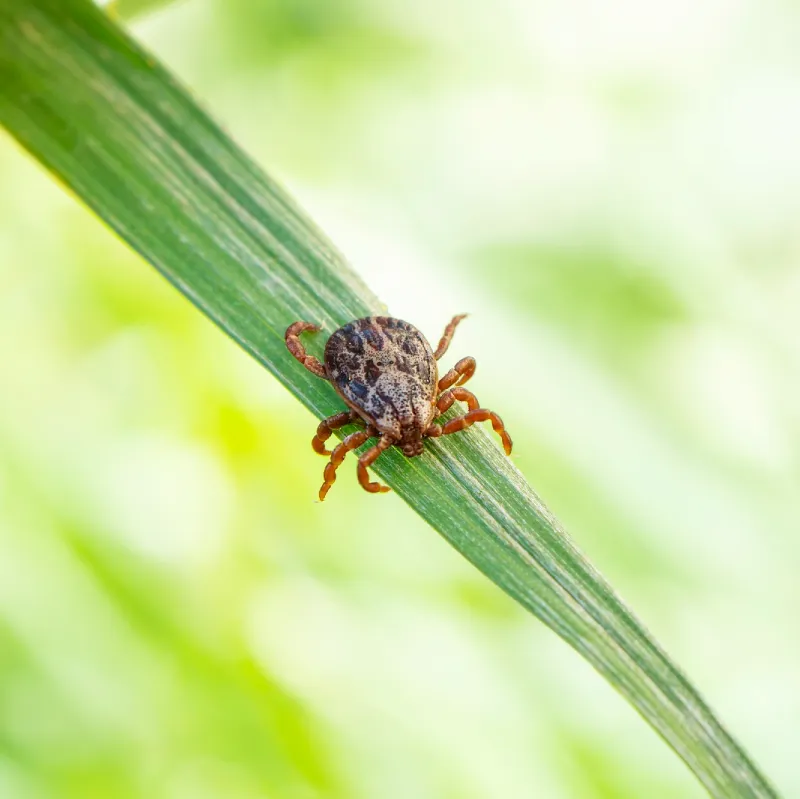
[412,449]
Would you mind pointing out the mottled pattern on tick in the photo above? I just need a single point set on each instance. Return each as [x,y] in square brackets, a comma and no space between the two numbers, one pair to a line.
[386,372]
[384,368]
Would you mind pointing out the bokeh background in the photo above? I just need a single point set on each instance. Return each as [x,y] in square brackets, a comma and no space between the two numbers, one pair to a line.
[612,189]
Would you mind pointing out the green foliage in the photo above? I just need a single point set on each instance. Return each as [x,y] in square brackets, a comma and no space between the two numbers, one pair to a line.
[119,132]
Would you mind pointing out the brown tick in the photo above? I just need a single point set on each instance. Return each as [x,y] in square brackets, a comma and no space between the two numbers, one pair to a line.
[386,372]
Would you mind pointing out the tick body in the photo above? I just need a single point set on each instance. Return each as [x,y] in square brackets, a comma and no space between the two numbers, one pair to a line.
[386,372]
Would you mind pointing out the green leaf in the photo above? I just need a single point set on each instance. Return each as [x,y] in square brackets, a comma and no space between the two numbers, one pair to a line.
[116,129]
[129,9]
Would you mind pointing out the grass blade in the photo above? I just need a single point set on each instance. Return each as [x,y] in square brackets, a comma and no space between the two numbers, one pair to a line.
[116,129]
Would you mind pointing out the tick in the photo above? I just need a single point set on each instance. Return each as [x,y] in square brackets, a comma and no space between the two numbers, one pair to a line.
[386,372]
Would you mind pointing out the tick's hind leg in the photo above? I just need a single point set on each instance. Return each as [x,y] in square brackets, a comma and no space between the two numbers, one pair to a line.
[447,336]
[351,442]
[294,346]
[459,374]
[327,426]
[367,459]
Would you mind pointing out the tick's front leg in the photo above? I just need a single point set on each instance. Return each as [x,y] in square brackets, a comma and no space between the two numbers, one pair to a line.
[473,415]
[351,442]
[326,426]
[445,402]
[367,459]
[293,344]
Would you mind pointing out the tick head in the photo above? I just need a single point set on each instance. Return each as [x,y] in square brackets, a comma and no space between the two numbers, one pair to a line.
[412,448]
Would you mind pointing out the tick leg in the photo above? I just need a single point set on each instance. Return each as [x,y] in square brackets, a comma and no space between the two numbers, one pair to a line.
[459,374]
[444,404]
[449,397]
[326,426]
[469,419]
[351,442]
[367,459]
[298,350]
[447,336]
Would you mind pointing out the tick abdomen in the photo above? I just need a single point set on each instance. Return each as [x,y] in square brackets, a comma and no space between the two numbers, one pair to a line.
[385,369]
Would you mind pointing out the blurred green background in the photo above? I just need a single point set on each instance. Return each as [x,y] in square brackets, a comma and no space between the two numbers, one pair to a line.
[612,190]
